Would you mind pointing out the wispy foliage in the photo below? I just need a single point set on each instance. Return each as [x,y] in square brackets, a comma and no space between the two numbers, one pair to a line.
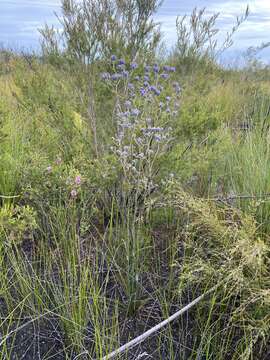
[94,29]
[198,37]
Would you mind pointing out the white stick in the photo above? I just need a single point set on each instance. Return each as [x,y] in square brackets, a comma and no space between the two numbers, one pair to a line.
[9,197]
[154,329]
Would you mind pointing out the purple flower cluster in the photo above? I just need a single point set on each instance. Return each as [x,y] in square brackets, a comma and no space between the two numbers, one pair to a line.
[156,68]
[128,104]
[147,86]
[165,76]
[76,183]
[133,66]
[73,183]
[73,193]
[105,76]
[147,69]
[49,169]
[146,103]
[147,100]
[156,133]
[168,68]
[116,76]
[131,86]
[78,180]
[121,62]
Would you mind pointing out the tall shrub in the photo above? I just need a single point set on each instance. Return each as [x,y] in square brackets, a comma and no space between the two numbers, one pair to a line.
[96,28]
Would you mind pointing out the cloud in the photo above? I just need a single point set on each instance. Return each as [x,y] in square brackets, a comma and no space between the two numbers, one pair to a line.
[32,3]
[251,33]
[19,19]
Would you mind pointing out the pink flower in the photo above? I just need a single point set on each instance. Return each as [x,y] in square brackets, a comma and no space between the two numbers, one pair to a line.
[49,169]
[78,180]
[58,161]
[73,193]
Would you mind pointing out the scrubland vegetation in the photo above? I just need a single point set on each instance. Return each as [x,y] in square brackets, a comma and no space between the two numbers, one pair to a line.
[130,184]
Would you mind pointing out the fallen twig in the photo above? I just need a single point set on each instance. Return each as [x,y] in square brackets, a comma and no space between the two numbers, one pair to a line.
[9,196]
[138,340]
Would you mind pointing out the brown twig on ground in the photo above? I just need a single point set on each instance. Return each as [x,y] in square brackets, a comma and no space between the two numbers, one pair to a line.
[138,340]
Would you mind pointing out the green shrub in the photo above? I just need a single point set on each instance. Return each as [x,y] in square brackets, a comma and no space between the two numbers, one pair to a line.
[16,223]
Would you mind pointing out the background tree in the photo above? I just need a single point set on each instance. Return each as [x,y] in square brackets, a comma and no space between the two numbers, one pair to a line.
[199,40]
[93,29]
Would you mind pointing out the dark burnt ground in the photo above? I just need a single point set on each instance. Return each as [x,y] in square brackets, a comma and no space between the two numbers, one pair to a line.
[43,339]
[38,340]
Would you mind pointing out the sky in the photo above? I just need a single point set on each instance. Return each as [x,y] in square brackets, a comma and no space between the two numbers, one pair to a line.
[20,19]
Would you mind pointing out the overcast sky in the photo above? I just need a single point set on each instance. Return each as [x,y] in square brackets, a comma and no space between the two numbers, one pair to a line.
[19,20]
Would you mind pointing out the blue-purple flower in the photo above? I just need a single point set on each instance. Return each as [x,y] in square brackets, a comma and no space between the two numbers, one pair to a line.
[147,68]
[165,75]
[121,67]
[125,74]
[155,90]
[121,62]
[156,68]
[113,58]
[128,104]
[143,91]
[131,86]
[116,76]
[133,66]
[161,104]
[135,112]
[105,76]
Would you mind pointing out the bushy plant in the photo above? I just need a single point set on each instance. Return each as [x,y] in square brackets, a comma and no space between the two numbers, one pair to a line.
[222,247]
[16,222]
[93,29]
[197,38]
[146,104]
